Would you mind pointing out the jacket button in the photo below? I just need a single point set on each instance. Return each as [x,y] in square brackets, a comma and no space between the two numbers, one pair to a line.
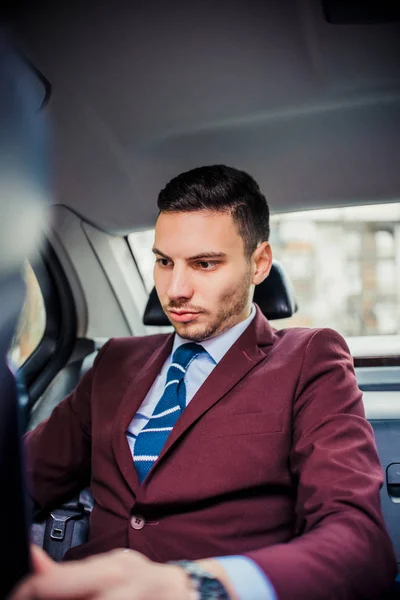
[138,522]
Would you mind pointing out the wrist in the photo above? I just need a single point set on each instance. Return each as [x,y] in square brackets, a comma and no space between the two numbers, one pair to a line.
[204,585]
[218,571]
[182,584]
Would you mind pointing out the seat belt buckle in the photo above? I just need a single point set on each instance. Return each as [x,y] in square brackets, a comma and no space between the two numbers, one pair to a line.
[58,526]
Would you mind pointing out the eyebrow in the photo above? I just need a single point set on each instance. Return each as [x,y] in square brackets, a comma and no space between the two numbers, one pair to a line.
[202,255]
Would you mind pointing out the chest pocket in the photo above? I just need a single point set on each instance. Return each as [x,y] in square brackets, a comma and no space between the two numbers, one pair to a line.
[242,424]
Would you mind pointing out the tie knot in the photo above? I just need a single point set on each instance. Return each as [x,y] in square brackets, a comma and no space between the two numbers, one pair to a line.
[185,354]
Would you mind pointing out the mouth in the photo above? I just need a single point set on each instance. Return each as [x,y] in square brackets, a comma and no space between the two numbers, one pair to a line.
[183,316]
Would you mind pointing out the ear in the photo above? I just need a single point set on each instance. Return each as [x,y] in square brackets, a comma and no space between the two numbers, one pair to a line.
[41,562]
[262,262]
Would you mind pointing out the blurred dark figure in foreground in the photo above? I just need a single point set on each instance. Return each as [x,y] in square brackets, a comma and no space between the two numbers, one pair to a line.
[23,199]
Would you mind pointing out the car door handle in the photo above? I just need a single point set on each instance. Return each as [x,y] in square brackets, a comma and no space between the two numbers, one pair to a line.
[393,481]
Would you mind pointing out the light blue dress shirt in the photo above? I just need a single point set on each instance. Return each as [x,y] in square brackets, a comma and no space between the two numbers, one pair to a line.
[248,580]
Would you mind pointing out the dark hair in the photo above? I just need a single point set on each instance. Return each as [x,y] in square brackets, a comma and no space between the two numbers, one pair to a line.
[221,189]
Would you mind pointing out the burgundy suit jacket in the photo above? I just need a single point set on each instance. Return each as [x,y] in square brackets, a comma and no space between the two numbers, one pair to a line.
[273,459]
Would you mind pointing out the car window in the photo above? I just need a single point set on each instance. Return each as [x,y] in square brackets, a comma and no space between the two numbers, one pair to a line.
[141,243]
[32,322]
[344,264]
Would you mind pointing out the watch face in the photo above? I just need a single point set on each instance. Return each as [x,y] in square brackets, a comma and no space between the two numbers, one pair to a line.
[204,583]
[212,589]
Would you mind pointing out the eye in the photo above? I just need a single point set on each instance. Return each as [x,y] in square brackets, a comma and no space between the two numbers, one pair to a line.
[206,265]
[163,262]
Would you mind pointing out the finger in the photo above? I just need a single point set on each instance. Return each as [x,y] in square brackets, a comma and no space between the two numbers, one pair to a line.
[76,580]
[119,593]
[44,587]
[41,561]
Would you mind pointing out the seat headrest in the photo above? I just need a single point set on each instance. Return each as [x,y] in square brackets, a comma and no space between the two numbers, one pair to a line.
[25,188]
[24,178]
[274,296]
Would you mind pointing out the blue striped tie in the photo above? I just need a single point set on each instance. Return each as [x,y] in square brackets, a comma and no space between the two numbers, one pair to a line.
[151,439]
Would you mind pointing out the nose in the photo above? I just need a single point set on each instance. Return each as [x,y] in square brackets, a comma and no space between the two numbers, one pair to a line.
[179,285]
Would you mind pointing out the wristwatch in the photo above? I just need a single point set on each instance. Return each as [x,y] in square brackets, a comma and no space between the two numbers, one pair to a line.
[205,584]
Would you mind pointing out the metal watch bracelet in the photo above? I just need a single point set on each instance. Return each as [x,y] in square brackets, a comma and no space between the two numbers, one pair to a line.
[204,584]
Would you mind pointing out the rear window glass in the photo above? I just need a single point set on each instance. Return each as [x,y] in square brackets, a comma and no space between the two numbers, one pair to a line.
[344,264]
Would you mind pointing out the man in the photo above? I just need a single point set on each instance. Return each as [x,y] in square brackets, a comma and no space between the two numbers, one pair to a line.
[243,449]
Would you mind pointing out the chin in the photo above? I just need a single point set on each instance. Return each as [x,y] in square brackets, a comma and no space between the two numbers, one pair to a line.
[190,332]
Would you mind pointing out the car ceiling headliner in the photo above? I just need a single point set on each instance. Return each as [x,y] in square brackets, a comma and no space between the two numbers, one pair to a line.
[143,91]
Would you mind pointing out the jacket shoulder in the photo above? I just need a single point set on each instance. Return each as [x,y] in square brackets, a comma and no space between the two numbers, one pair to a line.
[310,336]
[140,341]
[137,348]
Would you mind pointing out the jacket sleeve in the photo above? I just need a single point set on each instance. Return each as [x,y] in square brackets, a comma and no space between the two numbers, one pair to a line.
[341,550]
[58,450]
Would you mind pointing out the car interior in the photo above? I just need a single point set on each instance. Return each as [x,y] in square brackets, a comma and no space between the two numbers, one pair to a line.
[304,95]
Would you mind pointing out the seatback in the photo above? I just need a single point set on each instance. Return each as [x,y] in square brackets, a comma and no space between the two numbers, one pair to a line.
[23,199]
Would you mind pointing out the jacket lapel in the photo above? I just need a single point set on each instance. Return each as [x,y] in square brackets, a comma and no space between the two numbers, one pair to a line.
[240,359]
[135,393]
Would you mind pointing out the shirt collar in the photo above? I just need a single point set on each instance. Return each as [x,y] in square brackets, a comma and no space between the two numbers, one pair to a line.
[218,346]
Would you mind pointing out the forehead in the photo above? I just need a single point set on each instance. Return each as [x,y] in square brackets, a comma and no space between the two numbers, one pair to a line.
[189,233]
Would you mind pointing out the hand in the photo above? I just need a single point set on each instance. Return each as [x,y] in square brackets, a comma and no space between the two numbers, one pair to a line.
[115,575]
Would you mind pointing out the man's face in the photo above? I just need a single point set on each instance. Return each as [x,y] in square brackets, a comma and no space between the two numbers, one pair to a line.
[202,276]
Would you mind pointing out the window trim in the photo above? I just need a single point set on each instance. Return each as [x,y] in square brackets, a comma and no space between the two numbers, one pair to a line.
[377,361]
[59,338]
